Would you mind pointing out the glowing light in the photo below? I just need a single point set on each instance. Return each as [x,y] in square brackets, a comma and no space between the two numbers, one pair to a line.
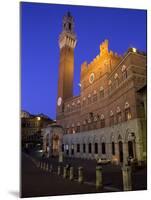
[79,84]
[134,50]
[38,118]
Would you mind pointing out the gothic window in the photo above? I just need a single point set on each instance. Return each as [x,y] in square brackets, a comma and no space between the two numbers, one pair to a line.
[110,86]
[102,121]
[94,96]
[62,147]
[113,148]
[83,102]
[78,128]
[70,26]
[78,148]
[118,115]
[90,148]
[84,149]
[116,77]
[72,149]
[103,148]
[124,72]
[128,114]
[96,148]
[111,118]
[89,99]
[101,92]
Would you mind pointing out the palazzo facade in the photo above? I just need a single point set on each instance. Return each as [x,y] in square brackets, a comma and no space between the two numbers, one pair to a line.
[108,119]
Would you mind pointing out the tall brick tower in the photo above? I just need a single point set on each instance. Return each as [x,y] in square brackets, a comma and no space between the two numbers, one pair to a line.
[67,43]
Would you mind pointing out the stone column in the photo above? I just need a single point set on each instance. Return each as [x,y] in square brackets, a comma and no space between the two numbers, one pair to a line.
[125,153]
[117,151]
[127,178]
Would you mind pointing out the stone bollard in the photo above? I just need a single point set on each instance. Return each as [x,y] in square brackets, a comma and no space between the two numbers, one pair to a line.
[65,172]
[59,171]
[50,168]
[71,173]
[80,174]
[47,167]
[127,178]
[99,183]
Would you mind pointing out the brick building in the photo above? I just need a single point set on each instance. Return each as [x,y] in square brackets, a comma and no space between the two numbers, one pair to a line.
[107,119]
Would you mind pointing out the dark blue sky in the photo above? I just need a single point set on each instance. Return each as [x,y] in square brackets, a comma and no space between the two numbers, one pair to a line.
[41,25]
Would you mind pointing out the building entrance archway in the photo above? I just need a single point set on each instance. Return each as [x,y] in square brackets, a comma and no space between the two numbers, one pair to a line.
[55,145]
[121,151]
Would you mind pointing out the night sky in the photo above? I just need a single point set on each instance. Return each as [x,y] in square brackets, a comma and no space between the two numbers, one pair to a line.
[41,25]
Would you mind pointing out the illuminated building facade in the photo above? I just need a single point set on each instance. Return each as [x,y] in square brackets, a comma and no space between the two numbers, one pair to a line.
[107,119]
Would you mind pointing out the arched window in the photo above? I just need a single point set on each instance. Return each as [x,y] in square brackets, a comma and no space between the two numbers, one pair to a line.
[124,72]
[89,99]
[116,77]
[128,114]
[90,148]
[84,148]
[96,148]
[101,92]
[103,148]
[94,96]
[111,118]
[110,86]
[102,121]
[84,101]
[113,148]
[118,115]
[78,148]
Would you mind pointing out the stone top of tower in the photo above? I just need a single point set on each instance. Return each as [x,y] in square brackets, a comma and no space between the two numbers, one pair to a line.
[67,36]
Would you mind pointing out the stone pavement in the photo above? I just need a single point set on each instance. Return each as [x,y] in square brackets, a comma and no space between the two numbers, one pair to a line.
[36,182]
[112,174]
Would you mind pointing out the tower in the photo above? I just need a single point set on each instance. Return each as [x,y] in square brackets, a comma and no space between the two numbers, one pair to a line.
[67,43]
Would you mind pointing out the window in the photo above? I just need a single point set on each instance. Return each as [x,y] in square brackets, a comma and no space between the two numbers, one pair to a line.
[89,99]
[103,148]
[116,77]
[84,149]
[128,115]
[101,93]
[78,148]
[124,72]
[70,26]
[110,86]
[94,97]
[78,129]
[113,148]
[96,148]
[111,120]
[90,149]
[72,149]
[119,117]
[62,147]
[102,121]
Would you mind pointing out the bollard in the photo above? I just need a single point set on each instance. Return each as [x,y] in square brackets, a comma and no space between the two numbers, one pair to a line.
[71,175]
[59,171]
[50,168]
[65,172]
[47,167]
[127,178]
[80,174]
[99,184]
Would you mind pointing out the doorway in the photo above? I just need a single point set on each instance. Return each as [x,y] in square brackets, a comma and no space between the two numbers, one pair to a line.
[120,151]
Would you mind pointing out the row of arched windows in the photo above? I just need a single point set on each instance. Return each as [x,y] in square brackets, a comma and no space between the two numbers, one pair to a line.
[99,121]
[92,98]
